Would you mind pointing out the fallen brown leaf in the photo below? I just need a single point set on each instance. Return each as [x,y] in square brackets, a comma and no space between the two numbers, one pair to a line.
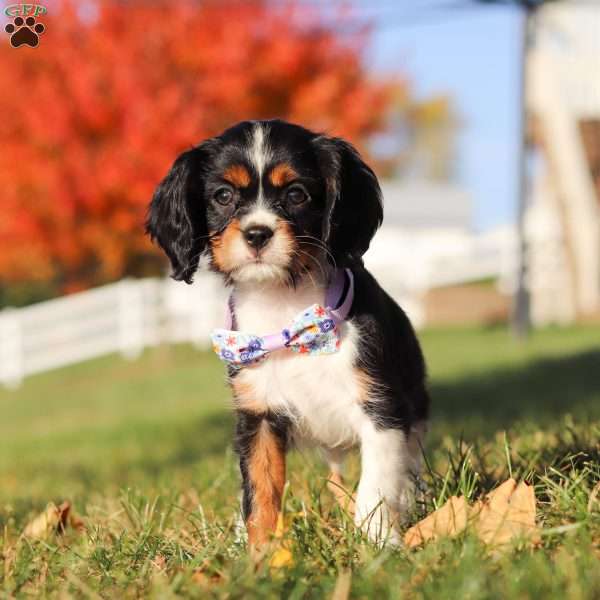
[75,521]
[54,519]
[449,520]
[506,513]
[282,557]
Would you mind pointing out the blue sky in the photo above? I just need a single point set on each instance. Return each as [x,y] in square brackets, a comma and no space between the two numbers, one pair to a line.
[472,54]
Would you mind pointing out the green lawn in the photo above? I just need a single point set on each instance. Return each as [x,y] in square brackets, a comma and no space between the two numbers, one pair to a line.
[143,451]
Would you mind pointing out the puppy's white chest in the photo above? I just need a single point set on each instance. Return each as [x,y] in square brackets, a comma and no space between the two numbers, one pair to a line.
[321,394]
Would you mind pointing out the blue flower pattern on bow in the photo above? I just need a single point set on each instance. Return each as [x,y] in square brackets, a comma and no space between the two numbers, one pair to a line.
[312,332]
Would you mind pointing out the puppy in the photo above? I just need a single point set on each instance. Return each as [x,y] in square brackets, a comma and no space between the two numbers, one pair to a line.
[317,352]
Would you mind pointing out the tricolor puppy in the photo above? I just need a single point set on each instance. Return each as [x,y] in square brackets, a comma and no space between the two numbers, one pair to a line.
[317,352]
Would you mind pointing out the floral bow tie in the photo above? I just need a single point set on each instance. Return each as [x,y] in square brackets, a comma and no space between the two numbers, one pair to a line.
[313,331]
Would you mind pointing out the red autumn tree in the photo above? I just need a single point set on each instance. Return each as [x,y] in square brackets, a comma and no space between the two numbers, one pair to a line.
[93,117]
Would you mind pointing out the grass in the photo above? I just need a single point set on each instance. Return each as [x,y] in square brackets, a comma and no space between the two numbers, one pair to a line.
[143,451]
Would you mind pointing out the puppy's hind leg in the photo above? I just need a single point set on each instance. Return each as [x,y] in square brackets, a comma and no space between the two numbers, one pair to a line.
[335,481]
[415,443]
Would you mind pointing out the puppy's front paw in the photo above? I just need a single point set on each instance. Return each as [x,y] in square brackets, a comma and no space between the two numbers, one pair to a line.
[378,523]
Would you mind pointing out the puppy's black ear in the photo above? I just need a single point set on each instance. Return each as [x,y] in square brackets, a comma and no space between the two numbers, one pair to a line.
[354,208]
[177,213]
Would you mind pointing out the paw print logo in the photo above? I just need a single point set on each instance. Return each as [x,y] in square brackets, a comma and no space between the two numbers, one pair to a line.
[24,32]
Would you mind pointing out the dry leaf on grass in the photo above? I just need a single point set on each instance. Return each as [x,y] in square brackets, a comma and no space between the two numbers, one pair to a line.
[282,557]
[53,520]
[75,521]
[507,513]
[449,520]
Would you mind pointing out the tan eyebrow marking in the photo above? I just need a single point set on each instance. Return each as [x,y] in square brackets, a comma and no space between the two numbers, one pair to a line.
[281,174]
[237,175]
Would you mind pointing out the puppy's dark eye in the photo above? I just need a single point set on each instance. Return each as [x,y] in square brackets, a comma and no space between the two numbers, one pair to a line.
[223,196]
[296,196]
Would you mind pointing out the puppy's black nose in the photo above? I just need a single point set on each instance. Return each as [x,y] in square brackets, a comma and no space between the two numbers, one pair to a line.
[257,236]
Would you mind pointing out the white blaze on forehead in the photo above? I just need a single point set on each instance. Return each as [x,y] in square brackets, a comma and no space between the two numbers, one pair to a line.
[259,152]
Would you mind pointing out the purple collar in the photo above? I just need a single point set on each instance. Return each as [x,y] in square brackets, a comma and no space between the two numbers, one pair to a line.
[338,302]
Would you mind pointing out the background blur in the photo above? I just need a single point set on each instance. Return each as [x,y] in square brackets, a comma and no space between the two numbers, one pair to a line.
[482,120]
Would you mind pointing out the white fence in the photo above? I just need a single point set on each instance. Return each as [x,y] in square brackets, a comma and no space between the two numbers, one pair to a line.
[123,317]
[128,316]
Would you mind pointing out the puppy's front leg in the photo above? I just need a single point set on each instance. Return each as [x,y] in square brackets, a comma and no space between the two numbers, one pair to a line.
[261,444]
[385,487]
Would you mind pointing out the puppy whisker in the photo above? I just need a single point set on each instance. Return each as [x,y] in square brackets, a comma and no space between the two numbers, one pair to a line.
[302,268]
[315,260]
[319,244]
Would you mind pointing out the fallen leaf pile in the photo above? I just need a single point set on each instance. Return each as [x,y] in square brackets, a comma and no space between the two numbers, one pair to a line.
[54,519]
[506,514]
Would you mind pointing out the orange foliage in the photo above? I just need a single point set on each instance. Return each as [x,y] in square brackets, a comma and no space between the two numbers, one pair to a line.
[93,117]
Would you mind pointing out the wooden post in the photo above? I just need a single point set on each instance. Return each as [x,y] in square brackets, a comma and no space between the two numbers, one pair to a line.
[521,315]
[11,349]
[131,319]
